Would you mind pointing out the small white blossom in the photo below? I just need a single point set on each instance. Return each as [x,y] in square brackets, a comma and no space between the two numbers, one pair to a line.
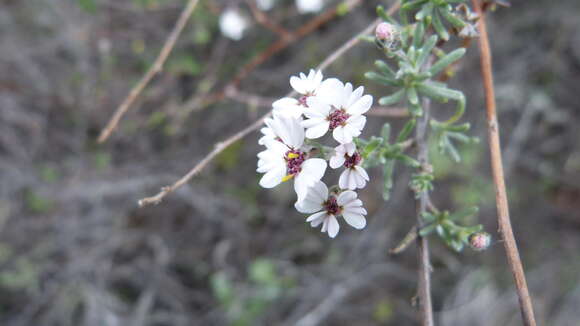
[306,86]
[354,176]
[265,5]
[233,24]
[337,108]
[327,207]
[309,6]
[285,157]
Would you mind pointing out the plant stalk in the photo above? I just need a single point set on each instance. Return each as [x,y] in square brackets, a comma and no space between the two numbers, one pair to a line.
[505,227]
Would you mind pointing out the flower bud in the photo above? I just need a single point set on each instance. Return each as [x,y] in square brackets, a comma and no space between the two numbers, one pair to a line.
[385,32]
[479,241]
[387,36]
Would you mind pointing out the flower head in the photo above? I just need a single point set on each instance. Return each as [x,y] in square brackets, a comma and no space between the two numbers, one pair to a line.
[306,86]
[339,109]
[354,176]
[232,24]
[286,158]
[309,6]
[479,241]
[327,207]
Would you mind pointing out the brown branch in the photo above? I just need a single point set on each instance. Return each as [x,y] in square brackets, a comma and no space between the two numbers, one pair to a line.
[504,222]
[220,147]
[155,68]
[424,283]
[264,20]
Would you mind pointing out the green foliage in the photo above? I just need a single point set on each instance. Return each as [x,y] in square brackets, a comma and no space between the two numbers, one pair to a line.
[89,6]
[36,203]
[245,302]
[446,227]
[230,157]
[434,13]
[383,311]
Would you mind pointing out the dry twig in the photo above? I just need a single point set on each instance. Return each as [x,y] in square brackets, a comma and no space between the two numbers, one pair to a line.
[155,68]
[505,227]
[220,147]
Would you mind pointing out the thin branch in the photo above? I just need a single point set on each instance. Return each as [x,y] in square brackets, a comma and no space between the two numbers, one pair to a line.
[155,68]
[424,282]
[220,147]
[264,20]
[504,222]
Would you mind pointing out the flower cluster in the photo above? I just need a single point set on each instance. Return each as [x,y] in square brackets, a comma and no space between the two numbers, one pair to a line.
[323,106]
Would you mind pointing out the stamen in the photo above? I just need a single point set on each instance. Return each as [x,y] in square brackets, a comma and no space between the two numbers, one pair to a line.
[332,207]
[294,160]
[288,177]
[351,161]
[337,118]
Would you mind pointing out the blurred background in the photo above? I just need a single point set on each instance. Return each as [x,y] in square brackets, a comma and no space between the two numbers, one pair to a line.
[75,249]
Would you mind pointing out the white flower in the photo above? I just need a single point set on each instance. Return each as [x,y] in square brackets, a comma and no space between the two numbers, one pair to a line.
[306,6]
[305,85]
[233,23]
[354,176]
[327,207]
[285,157]
[265,5]
[337,108]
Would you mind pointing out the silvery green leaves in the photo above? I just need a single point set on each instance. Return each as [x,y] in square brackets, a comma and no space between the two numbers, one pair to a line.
[446,227]
[433,13]
[378,151]
[447,135]
[413,79]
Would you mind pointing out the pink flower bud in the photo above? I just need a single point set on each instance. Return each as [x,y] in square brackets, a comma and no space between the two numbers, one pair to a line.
[385,32]
[479,241]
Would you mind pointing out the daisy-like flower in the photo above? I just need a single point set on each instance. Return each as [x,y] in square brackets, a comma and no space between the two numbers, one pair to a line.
[339,109]
[306,86]
[285,157]
[309,6]
[354,176]
[233,24]
[327,207]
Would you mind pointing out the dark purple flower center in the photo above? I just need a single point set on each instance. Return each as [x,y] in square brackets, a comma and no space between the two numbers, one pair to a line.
[294,160]
[302,100]
[332,207]
[337,118]
[351,161]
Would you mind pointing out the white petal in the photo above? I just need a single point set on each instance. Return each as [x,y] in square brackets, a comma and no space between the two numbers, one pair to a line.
[356,94]
[288,106]
[272,178]
[357,221]
[317,216]
[360,106]
[346,197]
[342,135]
[344,179]
[357,122]
[358,179]
[330,91]
[314,168]
[337,160]
[317,108]
[298,85]
[355,210]
[315,197]
[362,172]
[333,226]
[349,148]
[316,130]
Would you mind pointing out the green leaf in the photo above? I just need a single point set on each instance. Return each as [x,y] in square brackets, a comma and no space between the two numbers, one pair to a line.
[372,145]
[381,79]
[388,169]
[89,6]
[419,33]
[452,18]
[412,96]
[425,231]
[426,49]
[446,61]
[407,160]
[385,69]
[386,132]
[406,131]
[462,214]
[439,28]
[426,11]
[384,16]
[412,5]
[393,98]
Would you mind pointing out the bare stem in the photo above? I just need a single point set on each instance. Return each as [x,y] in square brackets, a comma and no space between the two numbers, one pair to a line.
[424,282]
[220,147]
[504,223]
